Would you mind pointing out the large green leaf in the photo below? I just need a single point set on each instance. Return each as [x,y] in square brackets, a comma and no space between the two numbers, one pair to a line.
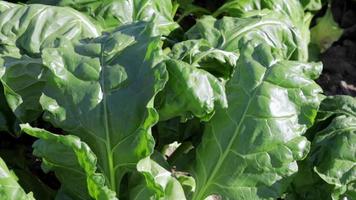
[114,13]
[30,29]
[291,9]
[274,29]
[329,171]
[192,90]
[9,188]
[249,150]
[74,164]
[102,90]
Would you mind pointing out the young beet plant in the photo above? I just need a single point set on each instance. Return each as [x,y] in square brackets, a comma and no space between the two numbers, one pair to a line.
[143,110]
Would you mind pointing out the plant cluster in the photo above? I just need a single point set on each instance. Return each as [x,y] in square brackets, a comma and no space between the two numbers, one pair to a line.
[128,99]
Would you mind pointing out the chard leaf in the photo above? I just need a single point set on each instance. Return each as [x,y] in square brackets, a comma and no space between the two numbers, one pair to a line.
[155,182]
[249,150]
[200,54]
[111,14]
[193,88]
[4,5]
[325,32]
[30,29]
[9,188]
[329,171]
[270,28]
[291,9]
[190,92]
[102,90]
[236,8]
[78,165]
[336,105]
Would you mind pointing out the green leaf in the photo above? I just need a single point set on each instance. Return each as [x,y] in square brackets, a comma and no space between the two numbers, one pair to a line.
[31,28]
[249,150]
[158,183]
[102,90]
[196,84]
[200,54]
[291,10]
[238,8]
[111,14]
[337,105]
[336,155]
[9,188]
[270,28]
[329,171]
[4,5]
[73,160]
[190,92]
[325,32]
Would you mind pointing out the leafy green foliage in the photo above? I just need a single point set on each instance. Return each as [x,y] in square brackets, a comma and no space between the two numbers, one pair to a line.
[249,148]
[271,28]
[130,105]
[111,13]
[31,28]
[329,171]
[76,171]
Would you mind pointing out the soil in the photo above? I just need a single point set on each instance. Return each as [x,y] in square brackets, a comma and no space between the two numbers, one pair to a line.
[339,74]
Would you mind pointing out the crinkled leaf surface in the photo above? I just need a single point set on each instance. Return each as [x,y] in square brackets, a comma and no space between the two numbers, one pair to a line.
[24,31]
[73,162]
[329,171]
[200,54]
[337,105]
[111,14]
[270,28]
[249,150]
[238,8]
[292,9]
[102,90]
[190,92]
[197,74]
[9,188]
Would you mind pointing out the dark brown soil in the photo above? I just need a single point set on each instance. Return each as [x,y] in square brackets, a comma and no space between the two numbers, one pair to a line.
[339,75]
